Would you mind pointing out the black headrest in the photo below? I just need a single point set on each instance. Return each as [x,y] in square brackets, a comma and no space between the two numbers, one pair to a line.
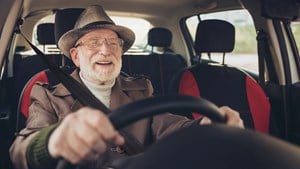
[45,33]
[160,37]
[65,20]
[214,36]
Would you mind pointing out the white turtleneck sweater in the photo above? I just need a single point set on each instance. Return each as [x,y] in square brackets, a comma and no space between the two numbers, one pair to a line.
[102,92]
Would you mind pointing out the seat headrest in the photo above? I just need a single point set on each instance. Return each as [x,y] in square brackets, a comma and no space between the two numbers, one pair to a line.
[214,36]
[65,20]
[45,34]
[160,37]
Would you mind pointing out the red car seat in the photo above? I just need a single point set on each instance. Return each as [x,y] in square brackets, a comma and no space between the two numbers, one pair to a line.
[224,84]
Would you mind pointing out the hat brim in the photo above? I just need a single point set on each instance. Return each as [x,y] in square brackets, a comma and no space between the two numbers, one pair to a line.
[68,40]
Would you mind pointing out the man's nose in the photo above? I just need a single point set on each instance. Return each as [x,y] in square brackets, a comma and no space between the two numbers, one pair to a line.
[104,48]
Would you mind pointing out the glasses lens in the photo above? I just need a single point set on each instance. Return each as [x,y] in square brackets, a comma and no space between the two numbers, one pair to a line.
[93,43]
[113,41]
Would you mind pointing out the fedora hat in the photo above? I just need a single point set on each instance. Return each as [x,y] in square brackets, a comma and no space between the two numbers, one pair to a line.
[94,17]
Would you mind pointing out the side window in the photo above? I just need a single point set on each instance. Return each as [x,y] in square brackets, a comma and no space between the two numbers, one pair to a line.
[244,54]
[296,32]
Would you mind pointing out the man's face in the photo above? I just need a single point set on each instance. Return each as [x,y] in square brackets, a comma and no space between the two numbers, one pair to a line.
[98,55]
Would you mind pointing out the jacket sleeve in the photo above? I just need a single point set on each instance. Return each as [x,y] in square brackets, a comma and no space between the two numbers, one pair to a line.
[167,123]
[41,115]
[37,154]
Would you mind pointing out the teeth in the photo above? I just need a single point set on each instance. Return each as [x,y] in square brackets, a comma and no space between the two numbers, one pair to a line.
[104,62]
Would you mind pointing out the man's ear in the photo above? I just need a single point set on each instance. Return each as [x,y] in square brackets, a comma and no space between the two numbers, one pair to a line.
[74,56]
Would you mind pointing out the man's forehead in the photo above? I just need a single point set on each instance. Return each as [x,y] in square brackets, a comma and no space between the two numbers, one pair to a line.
[101,33]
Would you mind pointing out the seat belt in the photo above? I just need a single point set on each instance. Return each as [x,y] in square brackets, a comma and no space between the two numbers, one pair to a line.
[261,59]
[264,55]
[132,145]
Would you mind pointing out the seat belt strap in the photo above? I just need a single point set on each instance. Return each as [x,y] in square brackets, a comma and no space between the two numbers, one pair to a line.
[261,58]
[264,55]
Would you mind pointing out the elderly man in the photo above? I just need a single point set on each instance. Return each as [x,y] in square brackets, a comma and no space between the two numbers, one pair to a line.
[59,126]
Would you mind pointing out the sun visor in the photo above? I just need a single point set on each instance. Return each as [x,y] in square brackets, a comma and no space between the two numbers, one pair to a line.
[280,9]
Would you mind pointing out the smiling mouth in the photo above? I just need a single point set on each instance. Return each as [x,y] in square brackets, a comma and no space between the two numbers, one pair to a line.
[104,63]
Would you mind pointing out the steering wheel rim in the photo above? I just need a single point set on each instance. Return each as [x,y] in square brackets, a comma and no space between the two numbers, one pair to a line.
[157,105]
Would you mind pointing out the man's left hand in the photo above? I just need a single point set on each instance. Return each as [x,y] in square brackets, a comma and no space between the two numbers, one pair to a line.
[232,116]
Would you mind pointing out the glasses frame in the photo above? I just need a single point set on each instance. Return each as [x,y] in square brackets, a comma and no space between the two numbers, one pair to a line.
[103,40]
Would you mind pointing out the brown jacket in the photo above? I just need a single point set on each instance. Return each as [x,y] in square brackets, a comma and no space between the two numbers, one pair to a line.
[50,104]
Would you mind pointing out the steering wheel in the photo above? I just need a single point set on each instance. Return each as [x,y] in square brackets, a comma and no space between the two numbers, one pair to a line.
[157,105]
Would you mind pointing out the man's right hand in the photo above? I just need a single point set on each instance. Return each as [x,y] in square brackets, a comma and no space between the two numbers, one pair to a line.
[83,135]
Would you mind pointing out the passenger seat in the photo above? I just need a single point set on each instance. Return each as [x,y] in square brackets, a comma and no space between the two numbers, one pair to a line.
[223,84]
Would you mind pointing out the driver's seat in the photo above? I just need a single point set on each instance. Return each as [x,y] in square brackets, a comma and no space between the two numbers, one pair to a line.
[224,84]
[64,21]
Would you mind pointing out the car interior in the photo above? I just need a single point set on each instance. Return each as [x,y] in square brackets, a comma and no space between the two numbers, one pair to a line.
[239,53]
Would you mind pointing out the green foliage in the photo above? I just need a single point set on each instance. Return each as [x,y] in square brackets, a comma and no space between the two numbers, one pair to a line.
[245,40]
[296,32]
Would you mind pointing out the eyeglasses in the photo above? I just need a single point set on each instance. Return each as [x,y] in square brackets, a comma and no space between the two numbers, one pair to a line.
[95,43]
